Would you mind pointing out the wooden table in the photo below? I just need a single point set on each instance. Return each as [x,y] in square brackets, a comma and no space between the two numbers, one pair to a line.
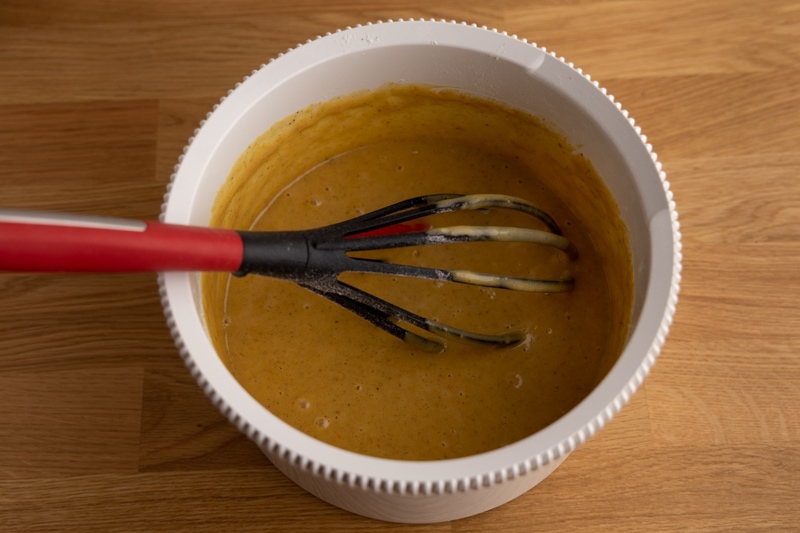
[101,426]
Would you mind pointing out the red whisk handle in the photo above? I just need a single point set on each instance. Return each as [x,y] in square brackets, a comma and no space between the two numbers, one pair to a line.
[43,242]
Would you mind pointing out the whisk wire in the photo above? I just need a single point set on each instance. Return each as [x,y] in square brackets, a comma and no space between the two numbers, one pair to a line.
[387,316]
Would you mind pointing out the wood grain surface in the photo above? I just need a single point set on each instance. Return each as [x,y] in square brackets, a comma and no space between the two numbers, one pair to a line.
[102,427]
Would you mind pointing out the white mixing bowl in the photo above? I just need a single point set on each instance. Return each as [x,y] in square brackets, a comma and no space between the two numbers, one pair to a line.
[487,64]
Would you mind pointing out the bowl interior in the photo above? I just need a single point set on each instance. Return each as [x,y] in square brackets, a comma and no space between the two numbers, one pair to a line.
[476,61]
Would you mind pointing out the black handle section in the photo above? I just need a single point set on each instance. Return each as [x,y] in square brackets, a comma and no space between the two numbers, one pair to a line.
[281,254]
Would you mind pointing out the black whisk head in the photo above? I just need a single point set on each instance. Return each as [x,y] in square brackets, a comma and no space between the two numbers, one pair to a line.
[315,258]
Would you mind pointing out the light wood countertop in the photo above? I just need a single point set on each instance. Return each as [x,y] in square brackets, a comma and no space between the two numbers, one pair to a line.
[103,428]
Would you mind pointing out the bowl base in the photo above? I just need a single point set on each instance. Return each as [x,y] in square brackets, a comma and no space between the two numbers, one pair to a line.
[412,508]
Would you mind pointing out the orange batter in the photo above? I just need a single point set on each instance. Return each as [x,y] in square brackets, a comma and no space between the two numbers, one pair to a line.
[340,379]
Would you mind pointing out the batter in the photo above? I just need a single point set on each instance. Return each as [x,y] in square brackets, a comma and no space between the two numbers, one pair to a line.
[336,377]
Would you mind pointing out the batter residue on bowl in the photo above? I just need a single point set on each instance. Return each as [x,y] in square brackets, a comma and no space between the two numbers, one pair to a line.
[340,379]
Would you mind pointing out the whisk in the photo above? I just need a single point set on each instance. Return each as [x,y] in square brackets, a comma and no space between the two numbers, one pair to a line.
[32,241]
